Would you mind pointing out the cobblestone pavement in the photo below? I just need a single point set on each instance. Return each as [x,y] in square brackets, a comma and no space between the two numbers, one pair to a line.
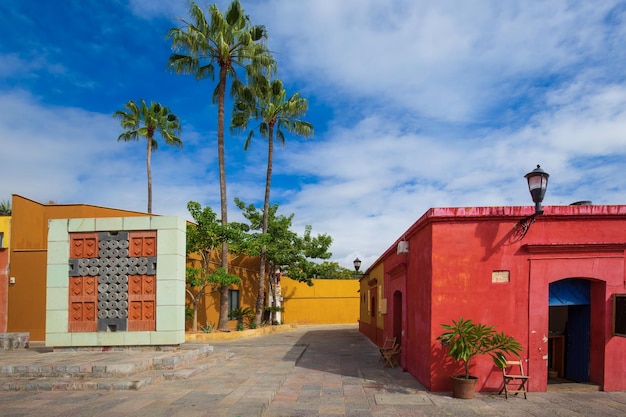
[310,371]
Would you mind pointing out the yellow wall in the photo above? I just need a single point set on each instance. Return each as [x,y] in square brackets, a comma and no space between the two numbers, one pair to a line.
[5,227]
[377,274]
[364,300]
[372,285]
[328,301]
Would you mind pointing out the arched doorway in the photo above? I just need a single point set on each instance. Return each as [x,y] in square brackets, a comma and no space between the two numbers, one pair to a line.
[569,329]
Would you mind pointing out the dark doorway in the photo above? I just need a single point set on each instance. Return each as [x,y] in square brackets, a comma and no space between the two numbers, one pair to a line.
[397,316]
[570,322]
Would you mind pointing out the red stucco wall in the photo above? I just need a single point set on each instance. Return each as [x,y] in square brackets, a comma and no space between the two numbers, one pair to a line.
[447,274]
[4,288]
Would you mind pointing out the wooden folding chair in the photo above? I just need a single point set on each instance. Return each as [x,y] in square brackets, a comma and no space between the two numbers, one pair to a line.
[391,356]
[513,374]
[390,342]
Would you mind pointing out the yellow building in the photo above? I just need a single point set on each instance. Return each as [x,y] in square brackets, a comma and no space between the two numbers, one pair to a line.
[373,304]
[328,301]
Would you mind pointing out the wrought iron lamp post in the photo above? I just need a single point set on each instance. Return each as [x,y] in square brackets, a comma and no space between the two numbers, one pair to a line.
[357,265]
[537,185]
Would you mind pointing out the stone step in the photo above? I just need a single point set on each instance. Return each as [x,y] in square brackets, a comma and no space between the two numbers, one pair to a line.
[12,341]
[80,364]
[77,382]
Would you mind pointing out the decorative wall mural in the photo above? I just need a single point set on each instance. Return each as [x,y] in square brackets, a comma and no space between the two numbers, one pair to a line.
[112,281]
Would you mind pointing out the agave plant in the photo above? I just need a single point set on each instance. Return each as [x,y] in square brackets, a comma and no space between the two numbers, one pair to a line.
[5,208]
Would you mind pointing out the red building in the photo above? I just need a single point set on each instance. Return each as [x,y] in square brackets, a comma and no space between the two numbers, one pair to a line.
[551,285]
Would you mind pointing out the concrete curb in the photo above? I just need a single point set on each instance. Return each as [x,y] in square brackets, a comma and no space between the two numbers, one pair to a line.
[235,335]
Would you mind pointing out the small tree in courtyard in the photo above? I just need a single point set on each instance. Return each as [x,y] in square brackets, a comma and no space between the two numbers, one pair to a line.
[205,238]
[285,249]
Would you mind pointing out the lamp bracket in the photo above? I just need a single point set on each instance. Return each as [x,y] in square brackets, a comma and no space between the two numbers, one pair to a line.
[522,227]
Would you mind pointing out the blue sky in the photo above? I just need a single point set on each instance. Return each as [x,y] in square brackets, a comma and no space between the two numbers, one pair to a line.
[415,105]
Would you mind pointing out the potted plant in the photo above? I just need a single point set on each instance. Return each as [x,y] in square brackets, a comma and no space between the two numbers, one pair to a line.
[466,339]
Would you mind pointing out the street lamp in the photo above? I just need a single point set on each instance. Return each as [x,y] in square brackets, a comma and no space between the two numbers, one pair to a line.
[537,185]
[357,265]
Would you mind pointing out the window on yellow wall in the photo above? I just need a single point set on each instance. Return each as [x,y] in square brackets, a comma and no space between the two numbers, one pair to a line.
[233,300]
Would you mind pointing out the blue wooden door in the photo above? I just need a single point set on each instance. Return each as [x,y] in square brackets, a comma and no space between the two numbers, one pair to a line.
[577,350]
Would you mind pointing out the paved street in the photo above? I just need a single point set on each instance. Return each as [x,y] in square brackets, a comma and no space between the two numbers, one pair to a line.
[311,371]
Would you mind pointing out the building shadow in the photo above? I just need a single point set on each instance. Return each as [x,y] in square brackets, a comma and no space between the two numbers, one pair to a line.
[342,350]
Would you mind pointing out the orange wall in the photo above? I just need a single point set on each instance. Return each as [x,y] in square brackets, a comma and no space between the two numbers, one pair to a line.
[245,267]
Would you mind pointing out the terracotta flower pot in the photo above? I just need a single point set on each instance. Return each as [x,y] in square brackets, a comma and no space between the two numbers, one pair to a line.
[463,388]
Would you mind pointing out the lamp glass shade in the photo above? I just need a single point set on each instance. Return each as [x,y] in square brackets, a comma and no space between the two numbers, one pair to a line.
[537,183]
[357,263]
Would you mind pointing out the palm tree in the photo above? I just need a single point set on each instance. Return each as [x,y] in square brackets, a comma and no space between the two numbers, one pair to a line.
[143,121]
[267,101]
[224,43]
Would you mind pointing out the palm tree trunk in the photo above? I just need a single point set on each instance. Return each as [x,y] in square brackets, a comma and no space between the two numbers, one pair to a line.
[149,174]
[223,321]
[266,206]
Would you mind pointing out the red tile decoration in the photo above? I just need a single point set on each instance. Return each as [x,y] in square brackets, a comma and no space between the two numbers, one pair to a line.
[82,314]
[143,243]
[142,302]
[84,245]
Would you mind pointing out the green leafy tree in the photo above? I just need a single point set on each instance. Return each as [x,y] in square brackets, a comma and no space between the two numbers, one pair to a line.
[204,238]
[5,208]
[267,102]
[332,270]
[143,121]
[285,249]
[224,42]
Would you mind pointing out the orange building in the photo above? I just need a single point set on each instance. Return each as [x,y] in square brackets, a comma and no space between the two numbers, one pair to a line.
[25,308]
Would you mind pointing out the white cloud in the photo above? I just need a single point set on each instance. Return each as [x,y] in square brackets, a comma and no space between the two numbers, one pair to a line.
[444,60]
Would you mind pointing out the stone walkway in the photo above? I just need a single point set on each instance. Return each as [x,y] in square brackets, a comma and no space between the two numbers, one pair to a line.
[311,371]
